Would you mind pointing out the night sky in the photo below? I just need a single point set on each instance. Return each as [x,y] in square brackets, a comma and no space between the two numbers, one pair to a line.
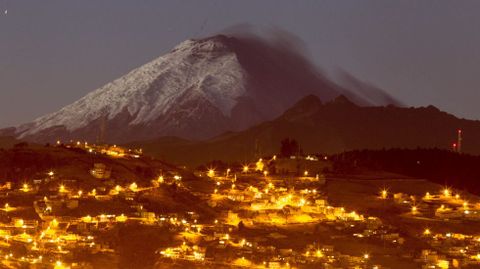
[53,52]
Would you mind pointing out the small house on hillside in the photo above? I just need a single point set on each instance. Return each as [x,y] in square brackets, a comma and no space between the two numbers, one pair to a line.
[101,171]
[301,166]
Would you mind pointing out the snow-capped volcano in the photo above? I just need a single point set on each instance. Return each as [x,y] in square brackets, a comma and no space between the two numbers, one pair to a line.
[149,91]
[199,89]
[202,70]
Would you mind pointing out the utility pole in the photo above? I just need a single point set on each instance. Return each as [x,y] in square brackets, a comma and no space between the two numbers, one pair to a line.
[459,141]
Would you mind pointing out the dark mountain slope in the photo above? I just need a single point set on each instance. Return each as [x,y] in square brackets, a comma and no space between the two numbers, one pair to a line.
[333,127]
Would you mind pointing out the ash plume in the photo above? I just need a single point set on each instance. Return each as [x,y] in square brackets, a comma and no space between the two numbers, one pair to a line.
[287,56]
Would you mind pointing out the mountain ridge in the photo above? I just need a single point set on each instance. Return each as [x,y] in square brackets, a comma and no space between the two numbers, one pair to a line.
[328,128]
[201,88]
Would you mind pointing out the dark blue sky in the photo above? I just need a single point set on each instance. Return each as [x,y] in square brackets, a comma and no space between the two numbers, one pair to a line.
[53,52]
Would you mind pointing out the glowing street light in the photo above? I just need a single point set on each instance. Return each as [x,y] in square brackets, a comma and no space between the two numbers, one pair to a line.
[121,218]
[133,187]
[384,194]
[19,223]
[259,165]
[54,223]
[62,189]
[25,188]
[414,210]
[60,265]
[93,192]
[446,192]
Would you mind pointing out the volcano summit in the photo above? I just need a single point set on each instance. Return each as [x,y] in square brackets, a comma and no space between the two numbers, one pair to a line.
[200,89]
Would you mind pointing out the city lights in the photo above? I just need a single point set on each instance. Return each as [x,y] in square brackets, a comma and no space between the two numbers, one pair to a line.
[276,207]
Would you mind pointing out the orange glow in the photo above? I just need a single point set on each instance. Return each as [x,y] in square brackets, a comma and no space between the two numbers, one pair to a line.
[62,189]
[133,187]
[259,166]
[414,210]
[25,188]
[446,192]
[384,194]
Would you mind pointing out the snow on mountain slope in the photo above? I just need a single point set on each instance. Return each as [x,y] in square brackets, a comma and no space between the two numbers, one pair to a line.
[151,90]
[200,89]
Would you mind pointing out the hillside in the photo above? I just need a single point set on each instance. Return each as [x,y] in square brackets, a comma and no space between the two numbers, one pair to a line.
[336,126]
[72,166]
[443,167]
[7,141]
[201,88]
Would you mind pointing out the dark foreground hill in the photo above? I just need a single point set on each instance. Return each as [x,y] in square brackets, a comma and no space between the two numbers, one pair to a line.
[24,163]
[7,141]
[332,127]
[440,166]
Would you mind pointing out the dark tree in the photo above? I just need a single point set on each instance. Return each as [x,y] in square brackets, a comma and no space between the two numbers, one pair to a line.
[21,145]
[241,226]
[440,166]
[289,147]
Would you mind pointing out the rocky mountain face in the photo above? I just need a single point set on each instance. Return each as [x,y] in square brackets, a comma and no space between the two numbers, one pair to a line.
[198,90]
